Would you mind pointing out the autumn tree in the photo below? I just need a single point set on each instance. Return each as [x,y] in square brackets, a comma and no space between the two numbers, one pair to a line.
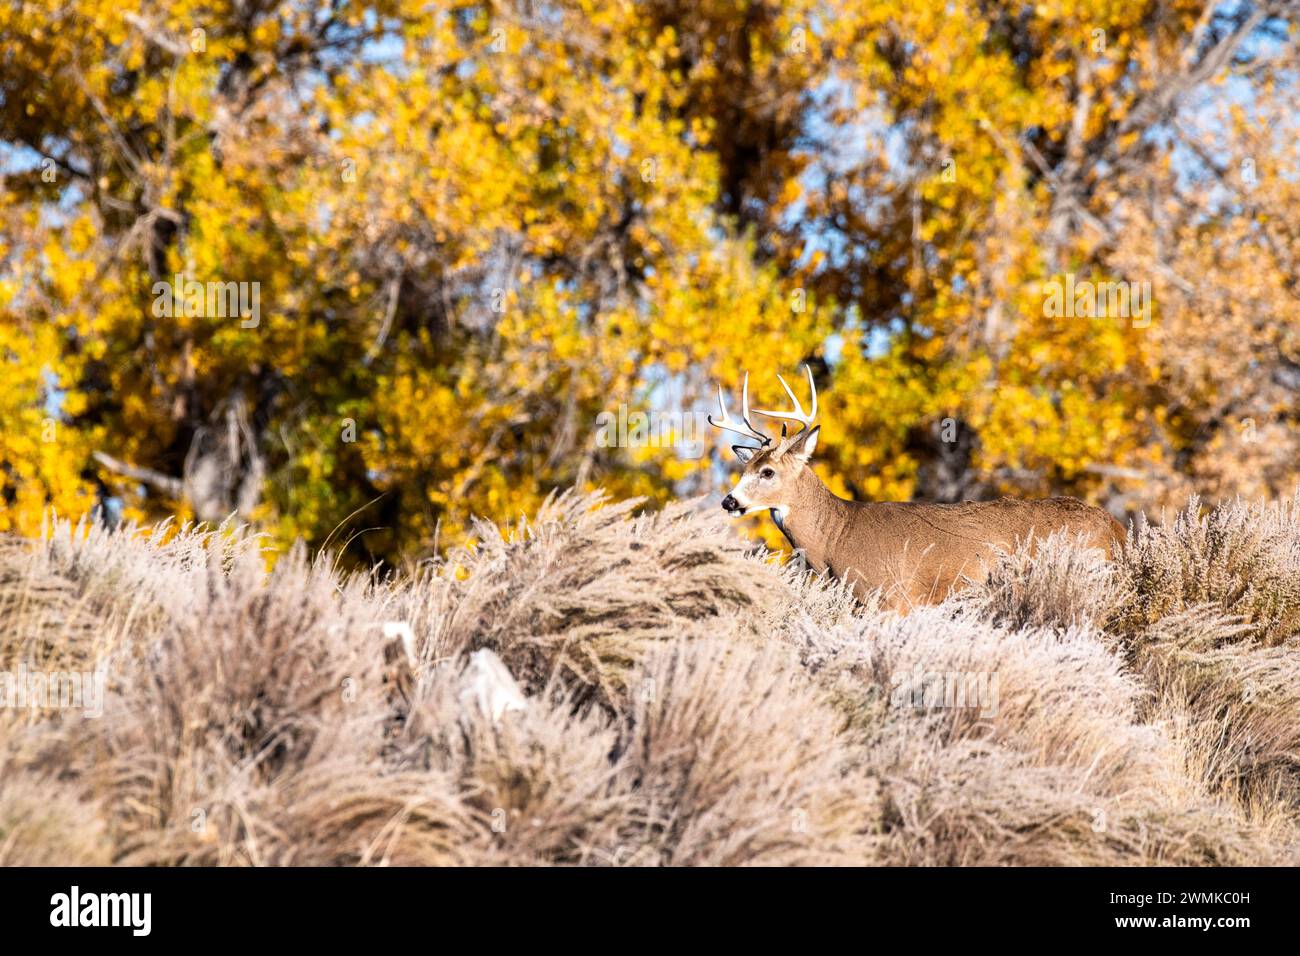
[435,241]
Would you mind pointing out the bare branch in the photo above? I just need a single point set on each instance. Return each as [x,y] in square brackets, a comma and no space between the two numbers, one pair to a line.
[172,487]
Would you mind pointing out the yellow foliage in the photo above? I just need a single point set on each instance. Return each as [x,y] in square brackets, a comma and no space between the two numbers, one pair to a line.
[473,228]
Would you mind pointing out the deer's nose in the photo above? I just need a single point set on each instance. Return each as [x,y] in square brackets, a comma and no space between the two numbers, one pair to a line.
[730,504]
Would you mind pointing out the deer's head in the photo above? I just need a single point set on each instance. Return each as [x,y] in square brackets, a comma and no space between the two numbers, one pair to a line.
[771,468]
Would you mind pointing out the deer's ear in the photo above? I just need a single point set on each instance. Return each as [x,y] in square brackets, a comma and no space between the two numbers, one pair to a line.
[744,453]
[805,444]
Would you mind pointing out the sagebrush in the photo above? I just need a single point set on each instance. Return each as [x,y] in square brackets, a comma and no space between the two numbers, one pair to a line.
[689,701]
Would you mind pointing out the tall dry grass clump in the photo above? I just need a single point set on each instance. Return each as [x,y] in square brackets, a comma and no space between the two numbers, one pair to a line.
[1206,610]
[1054,583]
[585,589]
[1211,617]
[1241,558]
[994,746]
[598,687]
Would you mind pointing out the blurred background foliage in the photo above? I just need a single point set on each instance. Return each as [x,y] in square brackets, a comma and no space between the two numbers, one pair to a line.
[478,226]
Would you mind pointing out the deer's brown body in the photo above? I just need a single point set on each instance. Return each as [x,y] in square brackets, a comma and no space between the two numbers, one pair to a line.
[908,553]
[915,553]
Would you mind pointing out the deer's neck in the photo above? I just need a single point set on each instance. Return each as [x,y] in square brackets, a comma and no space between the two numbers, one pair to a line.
[813,519]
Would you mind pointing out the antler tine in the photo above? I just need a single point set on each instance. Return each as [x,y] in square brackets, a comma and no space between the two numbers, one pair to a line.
[797,413]
[743,427]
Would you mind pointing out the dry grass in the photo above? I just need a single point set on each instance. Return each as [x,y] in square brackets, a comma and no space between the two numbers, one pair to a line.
[1055,584]
[1241,558]
[688,703]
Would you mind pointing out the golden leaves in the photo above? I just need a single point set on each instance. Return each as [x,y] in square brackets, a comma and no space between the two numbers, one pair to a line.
[475,227]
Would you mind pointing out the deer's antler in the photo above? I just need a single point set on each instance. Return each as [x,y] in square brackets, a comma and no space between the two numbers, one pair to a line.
[744,426]
[797,413]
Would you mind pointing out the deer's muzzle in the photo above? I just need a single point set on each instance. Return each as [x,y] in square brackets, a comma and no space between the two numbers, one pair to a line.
[732,506]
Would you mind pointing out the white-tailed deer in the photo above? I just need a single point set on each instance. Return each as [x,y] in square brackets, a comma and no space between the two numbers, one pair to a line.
[910,552]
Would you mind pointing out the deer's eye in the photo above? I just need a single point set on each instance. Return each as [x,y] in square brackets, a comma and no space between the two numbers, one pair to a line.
[767,473]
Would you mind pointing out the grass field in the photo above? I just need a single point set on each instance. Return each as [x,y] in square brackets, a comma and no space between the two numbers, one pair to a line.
[688,702]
